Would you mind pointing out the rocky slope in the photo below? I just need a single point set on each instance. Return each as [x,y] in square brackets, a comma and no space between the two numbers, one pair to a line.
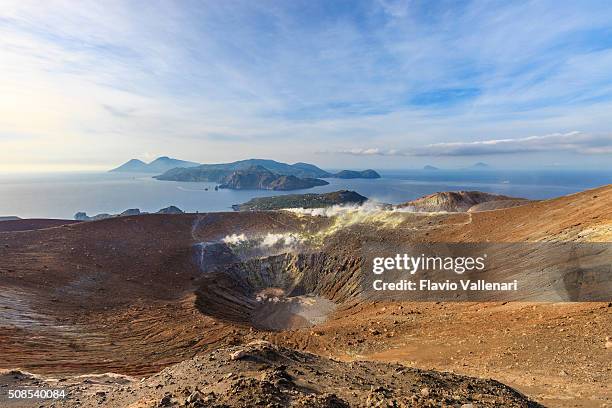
[135,295]
[261,374]
[497,205]
[458,201]
[342,197]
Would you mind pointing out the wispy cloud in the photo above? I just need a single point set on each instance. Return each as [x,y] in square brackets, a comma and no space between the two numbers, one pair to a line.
[574,142]
[373,151]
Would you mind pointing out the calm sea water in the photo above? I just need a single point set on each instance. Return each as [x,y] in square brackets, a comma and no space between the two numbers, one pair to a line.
[62,195]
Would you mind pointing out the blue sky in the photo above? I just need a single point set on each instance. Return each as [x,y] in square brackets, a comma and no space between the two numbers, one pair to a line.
[383,84]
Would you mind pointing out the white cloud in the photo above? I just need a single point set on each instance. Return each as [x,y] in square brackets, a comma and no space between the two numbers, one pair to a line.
[574,142]
[373,151]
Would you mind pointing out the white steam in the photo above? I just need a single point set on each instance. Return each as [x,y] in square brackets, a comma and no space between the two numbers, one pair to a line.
[370,207]
[260,245]
[287,239]
[343,216]
[334,210]
[234,239]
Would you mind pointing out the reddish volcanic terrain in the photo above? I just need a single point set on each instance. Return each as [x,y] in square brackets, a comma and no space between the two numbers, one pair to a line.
[32,224]
[133,295]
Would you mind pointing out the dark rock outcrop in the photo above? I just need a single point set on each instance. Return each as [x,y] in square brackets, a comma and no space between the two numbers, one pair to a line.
[260,373]
[301,201]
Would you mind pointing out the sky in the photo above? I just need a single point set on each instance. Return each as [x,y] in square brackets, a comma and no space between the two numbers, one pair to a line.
[382,84]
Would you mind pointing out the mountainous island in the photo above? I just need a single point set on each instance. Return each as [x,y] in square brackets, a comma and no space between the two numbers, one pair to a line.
[261,174]
[217,172]
[159,165]
[260,178]
[342,197]
[243,174]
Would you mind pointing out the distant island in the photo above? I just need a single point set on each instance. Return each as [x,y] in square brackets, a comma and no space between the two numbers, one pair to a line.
[262,174]
[341,197]
[159,165]
[475,166]
[9,218]
[480,165]
[82,216]
[216,173]
[352,174]
[260,178]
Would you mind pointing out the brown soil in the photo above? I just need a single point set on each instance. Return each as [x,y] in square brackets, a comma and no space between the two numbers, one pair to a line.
[133,295]
[497,205]
[32,224]
[261,374]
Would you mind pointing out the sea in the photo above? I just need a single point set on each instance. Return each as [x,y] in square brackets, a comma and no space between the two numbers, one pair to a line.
[61,195]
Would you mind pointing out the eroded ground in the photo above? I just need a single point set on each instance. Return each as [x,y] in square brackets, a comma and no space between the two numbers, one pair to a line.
[136,294]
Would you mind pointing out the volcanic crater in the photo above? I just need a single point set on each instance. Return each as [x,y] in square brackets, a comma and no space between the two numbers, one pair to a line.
[134,295]
[285,291]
